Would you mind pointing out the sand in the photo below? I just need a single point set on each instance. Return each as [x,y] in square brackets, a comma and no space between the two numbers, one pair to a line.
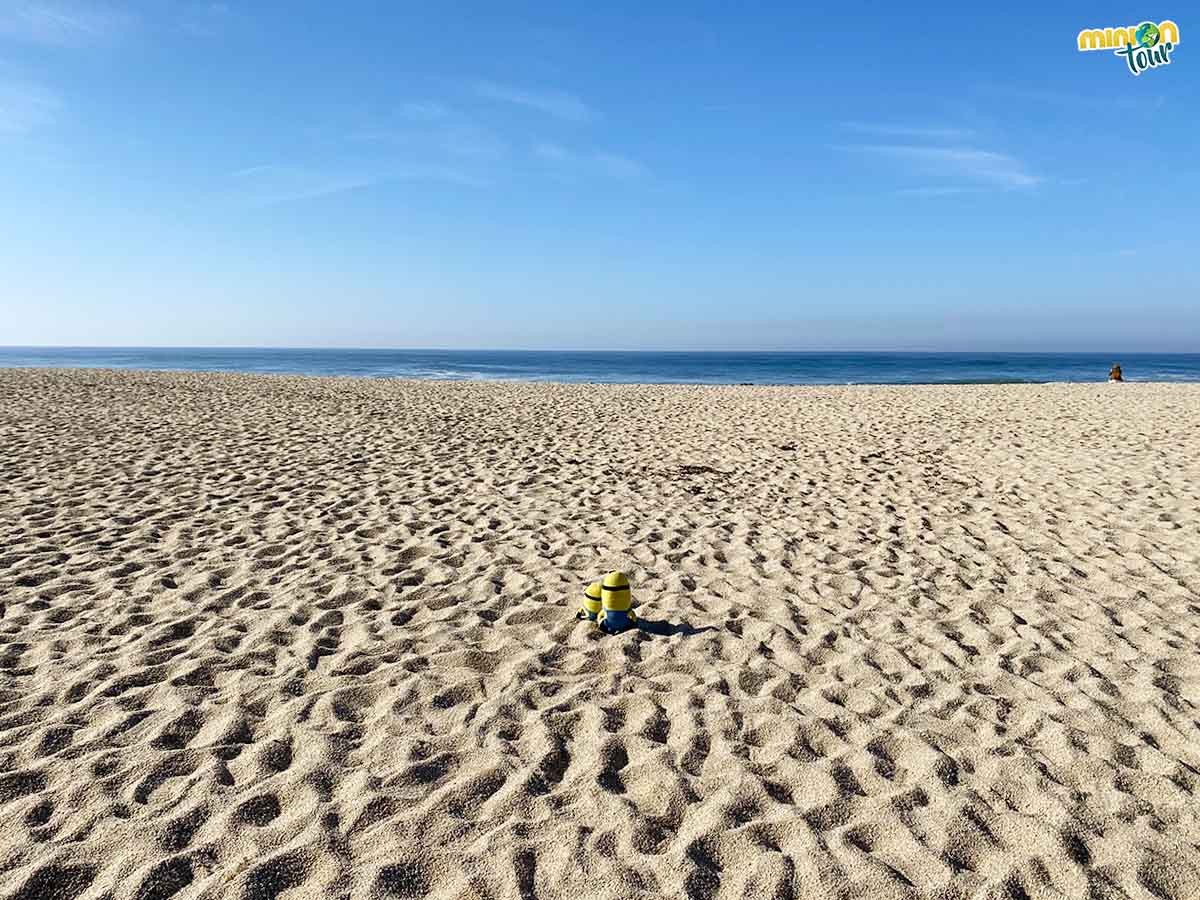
[300,637]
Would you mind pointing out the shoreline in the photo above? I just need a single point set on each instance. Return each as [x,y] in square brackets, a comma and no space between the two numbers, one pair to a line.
[547,381]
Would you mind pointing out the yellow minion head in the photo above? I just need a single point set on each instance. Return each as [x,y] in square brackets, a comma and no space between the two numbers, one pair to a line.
[592,603]
[615,593]
[617,600]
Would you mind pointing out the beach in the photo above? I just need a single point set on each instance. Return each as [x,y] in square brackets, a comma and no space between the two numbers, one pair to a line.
[316,637]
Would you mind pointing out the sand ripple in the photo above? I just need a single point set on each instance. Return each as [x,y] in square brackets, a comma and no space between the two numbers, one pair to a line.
[314,637]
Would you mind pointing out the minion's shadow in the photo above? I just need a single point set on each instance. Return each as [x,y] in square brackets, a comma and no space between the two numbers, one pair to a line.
[664,628]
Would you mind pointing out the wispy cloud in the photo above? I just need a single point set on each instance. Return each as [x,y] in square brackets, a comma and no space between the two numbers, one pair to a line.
[432,131]
[418,139]
[552,152]
[424,111]
[915,132]
[25,108]
[996,169]
[429,172]
[206,20]
[619,166]
[268,185]
[555,103]
[937,191]
[467,140]
[612,165]
[62,24]
[271,184]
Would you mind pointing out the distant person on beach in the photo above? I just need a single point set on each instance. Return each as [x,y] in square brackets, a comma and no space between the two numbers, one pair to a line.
[1114,374]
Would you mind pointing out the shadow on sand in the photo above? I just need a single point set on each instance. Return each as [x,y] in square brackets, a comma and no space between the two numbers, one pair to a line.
[666,629]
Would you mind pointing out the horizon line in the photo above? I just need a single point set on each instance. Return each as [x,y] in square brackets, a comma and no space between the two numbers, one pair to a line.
[284,347]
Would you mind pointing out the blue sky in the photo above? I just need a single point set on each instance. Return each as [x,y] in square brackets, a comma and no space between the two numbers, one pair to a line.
[570,175]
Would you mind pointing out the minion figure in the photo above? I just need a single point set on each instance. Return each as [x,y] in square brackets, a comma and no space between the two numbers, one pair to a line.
[616,600]
[591,602]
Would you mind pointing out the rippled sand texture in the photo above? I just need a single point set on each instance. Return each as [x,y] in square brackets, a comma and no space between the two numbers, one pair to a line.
[315,638]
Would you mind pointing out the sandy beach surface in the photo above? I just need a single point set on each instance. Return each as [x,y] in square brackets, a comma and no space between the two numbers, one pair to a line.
[300,637]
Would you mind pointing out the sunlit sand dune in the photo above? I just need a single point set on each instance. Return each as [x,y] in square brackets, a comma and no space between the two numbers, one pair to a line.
[297,637]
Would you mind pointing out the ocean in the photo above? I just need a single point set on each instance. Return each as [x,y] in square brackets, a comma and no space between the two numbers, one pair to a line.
[625,367]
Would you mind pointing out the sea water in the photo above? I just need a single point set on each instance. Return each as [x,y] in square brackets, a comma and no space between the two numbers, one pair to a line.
[648,367]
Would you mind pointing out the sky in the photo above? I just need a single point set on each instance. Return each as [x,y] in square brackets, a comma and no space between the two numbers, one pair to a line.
[674,175]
